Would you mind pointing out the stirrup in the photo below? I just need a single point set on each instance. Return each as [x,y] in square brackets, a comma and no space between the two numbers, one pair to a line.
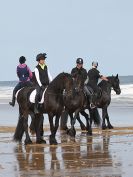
[92,106]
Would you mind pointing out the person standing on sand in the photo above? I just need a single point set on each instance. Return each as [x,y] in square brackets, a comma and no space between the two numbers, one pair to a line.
[24,74]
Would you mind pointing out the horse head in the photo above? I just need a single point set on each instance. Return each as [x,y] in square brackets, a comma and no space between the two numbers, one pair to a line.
[78,83]
[114,80]
[67,81]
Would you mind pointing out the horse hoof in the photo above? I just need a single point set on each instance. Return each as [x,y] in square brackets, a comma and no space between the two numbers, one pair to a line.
[104,127]
[83,128]
[52,140]
[110,127]
[28,142]
[41,141]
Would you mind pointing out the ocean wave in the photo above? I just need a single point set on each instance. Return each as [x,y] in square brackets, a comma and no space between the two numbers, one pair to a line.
[6,92]
[126,93]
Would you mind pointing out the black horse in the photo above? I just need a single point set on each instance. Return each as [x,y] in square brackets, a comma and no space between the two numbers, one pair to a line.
[105,98]
[75,102]
[53,106]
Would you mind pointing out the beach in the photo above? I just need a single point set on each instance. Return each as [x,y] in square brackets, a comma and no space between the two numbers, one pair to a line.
[105,154]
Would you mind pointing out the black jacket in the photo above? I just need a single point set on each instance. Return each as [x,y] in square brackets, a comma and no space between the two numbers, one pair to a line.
[43,74]
[80,71]
[93,75]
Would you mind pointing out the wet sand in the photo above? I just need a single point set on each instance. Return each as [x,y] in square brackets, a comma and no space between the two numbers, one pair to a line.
[105,154]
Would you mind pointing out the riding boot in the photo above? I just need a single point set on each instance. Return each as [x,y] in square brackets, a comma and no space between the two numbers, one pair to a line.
[36,111]
[90,95]
[36,105]
[13,100]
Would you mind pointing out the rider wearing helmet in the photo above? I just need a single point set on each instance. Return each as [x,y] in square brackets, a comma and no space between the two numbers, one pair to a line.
[79,69]
[43,77]
[24,74]
[93,77]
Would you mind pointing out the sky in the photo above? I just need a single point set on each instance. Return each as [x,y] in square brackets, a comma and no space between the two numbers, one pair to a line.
[95,30]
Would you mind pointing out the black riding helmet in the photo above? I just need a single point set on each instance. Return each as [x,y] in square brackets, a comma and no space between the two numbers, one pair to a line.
[79,61]
[22,59]
[41,56]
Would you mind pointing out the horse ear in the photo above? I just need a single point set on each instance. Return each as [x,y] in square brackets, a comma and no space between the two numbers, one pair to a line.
[117,76]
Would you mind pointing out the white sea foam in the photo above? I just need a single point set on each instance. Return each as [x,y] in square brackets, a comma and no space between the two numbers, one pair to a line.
[126,93]
[5,92]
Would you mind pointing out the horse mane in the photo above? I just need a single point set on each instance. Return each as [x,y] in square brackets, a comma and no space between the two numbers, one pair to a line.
[103,82]
[60,76]
[58,80]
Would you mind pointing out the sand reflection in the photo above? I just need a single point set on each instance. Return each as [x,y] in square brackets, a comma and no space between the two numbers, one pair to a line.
[83,156]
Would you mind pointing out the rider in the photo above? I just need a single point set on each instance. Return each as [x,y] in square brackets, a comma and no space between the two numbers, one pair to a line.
[24,74]
[93,77]
[81,71]
[42,76]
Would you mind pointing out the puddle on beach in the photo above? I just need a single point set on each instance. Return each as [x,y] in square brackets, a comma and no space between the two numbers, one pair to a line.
[100,155]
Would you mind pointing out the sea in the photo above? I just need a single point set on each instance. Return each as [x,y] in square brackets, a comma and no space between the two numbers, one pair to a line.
[120,109]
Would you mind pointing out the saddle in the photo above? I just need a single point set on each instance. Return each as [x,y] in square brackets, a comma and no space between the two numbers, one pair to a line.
[33,94]
[88,90]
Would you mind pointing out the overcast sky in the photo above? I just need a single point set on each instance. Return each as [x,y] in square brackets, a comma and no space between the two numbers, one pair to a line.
[100,30]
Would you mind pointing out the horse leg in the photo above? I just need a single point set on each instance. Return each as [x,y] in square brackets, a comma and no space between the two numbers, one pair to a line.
[108,121]
[56,126]
[83,113]
[103,117]
[41,128]
[52,139]
[39,122]
[82,125]
[25,124]
[89,121]
[19,131]
[88,128]
[32,124]
[71,131]
[63,121]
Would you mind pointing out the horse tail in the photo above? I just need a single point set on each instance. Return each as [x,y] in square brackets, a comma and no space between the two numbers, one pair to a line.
[19,130]
[96,116]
